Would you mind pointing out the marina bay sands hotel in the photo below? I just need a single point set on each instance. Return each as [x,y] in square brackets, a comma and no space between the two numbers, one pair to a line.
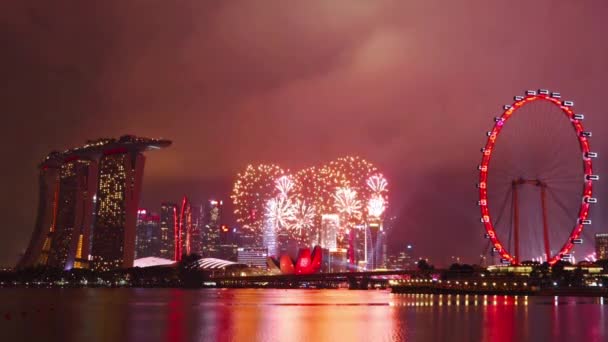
[88,204]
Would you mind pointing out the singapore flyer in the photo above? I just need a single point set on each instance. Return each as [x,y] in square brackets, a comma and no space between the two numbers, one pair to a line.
[536,184]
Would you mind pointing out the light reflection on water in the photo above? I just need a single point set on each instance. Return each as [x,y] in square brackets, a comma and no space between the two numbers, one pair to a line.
[293,315]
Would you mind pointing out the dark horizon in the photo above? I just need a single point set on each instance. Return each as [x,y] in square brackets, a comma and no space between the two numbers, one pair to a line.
[411,87]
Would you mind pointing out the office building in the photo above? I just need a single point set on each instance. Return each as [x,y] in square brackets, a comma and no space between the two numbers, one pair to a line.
[147,237]
[168,228]
[211,230]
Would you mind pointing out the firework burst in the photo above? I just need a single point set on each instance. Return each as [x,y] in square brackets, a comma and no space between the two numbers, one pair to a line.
[375,206]
[279,211]
[284,185]
[302,217]
[347,204]
[377,184]
[251,191]
[266,195]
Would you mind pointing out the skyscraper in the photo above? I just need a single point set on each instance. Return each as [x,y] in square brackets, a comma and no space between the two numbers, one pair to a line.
[198,224]
[601,246]
[168,222]
[211,231]
[147,237]
[330,224]
[88,205]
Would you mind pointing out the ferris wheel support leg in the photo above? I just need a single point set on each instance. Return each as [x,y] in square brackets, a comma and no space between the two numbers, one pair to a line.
[545,224]
[515,222]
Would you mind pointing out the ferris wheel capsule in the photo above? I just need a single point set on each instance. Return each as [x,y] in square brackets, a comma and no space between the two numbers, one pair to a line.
[531,92]
[578,117]
[577,241]
[590,154]
[586,134]
[592,177]
[518,97]
[543,91]
[556,95]
[589,200]
[505,107]
[585,222]
[568,103]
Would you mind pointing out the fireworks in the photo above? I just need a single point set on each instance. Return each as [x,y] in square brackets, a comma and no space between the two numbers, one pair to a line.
[350,186]
[284,184]
[378,201]
[251,191]
[347,204]
[377,183]
[279,211]
[375,206]
[302,216]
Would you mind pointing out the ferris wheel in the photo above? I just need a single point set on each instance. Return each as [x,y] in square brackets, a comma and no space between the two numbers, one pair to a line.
[535,186]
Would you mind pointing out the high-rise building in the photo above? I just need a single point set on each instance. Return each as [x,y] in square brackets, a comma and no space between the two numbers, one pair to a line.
[228,248]
[198,224]
[168,229]
[211,230]
[601,246]
[88,205]
[375,251]
[330,223]
[147,237]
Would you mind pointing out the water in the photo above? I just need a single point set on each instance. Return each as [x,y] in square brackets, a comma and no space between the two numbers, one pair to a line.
[176,315]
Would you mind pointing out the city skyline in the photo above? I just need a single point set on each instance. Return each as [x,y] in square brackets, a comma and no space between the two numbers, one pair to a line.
[383,80]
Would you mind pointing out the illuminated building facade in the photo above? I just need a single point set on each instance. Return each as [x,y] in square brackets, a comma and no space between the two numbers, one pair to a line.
[211,230]
[601,246]
[252,256]
[168,221]
[374,245]
[196,235]
[88,205]
[147,237]
[330,224]
[228,248]
[269,237]
[39,246]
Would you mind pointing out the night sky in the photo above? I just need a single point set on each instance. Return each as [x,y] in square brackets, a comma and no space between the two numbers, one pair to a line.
[409,85]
